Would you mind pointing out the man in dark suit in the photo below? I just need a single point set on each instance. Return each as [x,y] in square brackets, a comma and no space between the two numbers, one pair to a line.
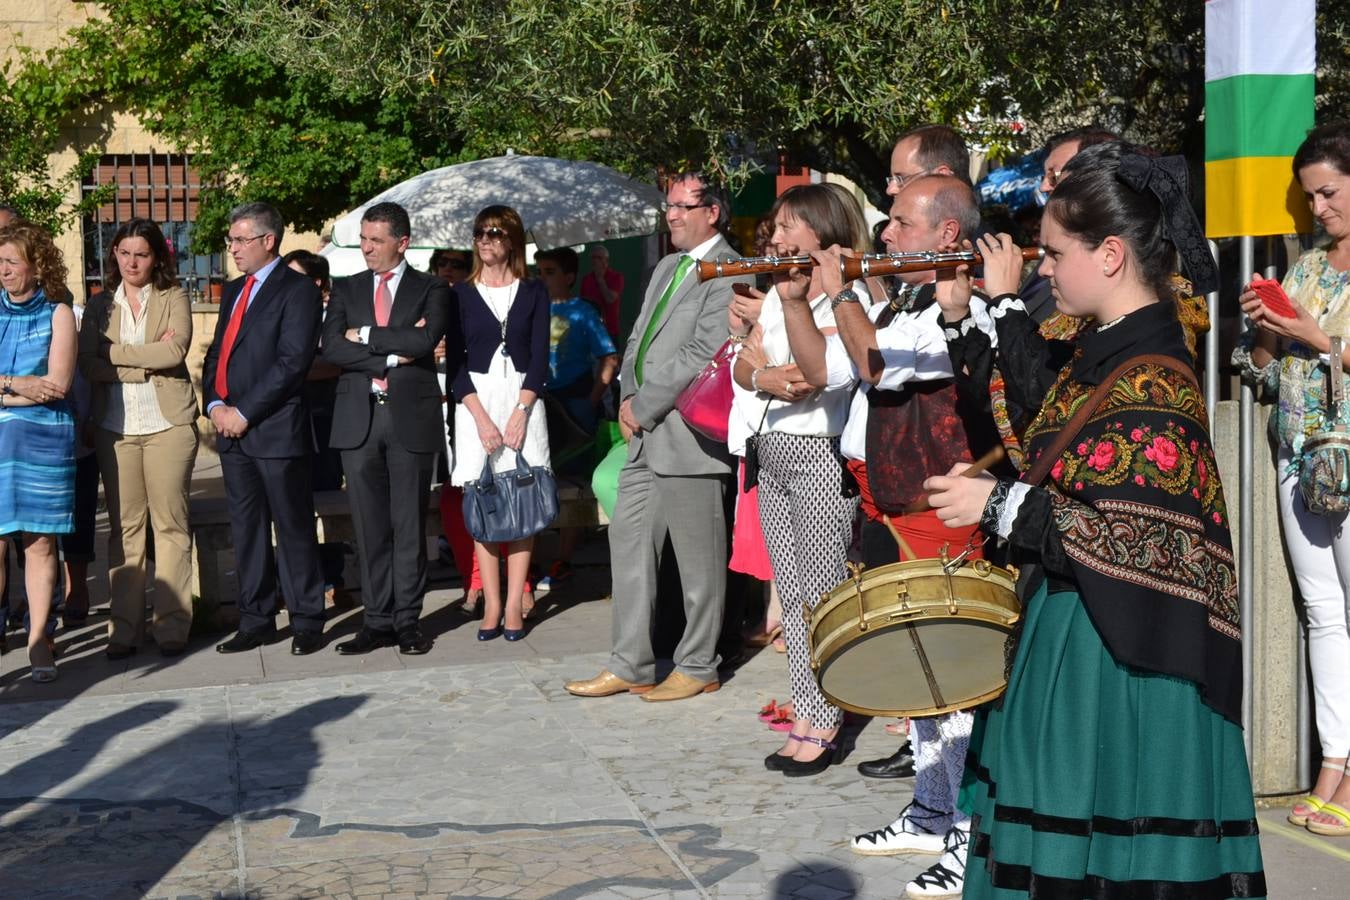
[381,329]
[253,381]
[675,480]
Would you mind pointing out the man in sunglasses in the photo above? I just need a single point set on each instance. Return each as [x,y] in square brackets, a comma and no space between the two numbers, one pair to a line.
[1059,150]
[675,479]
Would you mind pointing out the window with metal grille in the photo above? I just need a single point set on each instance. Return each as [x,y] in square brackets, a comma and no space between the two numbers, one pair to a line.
[165,188]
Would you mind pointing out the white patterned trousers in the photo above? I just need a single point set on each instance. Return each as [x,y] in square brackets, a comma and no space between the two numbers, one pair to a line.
[808,526]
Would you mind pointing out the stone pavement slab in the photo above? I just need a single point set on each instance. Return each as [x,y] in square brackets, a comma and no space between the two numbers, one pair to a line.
[468,772]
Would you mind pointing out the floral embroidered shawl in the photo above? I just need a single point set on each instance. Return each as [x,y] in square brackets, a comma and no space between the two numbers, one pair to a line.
[1133,512]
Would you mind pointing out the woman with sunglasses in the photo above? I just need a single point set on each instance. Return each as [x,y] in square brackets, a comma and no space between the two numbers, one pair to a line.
[499,374]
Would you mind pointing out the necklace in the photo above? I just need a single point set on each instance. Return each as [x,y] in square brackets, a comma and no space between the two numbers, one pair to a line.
[511,291]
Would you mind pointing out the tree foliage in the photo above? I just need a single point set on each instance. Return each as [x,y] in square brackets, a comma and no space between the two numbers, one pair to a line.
[318,104]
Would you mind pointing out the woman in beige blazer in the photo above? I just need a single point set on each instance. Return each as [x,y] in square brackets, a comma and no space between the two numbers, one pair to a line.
[133,345]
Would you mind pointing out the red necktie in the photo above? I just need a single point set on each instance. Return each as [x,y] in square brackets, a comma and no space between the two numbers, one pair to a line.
[383,303]
[227,342]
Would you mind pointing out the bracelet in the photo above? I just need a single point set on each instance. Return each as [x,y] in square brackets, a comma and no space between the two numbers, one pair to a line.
[754,378]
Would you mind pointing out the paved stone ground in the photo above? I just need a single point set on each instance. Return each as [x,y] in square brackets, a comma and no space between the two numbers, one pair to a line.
[466,773]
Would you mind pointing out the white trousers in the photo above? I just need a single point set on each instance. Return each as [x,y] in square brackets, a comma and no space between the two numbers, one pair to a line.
[1320,549]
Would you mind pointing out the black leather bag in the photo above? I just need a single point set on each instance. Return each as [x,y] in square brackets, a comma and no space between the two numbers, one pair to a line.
[510,506]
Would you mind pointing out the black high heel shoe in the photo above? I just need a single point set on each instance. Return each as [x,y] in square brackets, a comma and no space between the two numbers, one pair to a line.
[832,752]
[775,761]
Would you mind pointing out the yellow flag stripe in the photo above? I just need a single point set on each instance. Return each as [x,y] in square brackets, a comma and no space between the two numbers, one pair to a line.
[1253,195]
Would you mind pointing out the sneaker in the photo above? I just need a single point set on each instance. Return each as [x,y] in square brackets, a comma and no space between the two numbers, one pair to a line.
[947,876]
[906,834]
[557,574]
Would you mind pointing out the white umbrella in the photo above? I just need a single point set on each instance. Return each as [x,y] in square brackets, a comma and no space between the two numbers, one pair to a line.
[562,202]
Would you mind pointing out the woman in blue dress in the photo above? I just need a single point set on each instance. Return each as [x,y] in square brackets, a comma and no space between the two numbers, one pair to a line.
[37,433]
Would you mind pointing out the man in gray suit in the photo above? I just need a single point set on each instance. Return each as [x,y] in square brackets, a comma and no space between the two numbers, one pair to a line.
[675,479]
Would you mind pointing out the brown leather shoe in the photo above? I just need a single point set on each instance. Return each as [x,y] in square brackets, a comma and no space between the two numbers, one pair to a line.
[604,685]
[679,686]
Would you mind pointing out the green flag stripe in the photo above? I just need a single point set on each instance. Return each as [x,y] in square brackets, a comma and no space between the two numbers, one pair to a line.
[1257,115]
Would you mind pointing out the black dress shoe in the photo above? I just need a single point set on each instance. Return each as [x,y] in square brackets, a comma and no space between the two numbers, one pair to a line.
[365,641]
[246,640]
[306,642]
[899,764]
[412,642]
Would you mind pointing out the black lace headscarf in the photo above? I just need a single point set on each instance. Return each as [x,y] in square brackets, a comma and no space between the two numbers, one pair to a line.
[1115,188]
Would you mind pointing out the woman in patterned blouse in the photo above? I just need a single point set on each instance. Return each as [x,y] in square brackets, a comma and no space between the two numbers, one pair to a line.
[1285,358]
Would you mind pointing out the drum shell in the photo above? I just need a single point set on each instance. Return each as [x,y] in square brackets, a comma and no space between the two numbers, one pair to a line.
[862,637]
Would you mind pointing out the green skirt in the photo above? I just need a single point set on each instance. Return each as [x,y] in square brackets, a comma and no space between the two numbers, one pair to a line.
[1096,780]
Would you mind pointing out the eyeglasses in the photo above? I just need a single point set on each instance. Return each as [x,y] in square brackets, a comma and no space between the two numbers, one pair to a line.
[232,242]
[667,207]
[493,234]
[901,180]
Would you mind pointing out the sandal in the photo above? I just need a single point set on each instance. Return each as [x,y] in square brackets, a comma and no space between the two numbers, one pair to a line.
[473,598]
[1339,813]
[1310,803]
[42,674]
[779,645]
[764,638]
[782,723]
[768,712]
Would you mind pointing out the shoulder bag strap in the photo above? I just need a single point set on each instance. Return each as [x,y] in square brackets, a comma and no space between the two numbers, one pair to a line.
[1041,468]
[1336,377]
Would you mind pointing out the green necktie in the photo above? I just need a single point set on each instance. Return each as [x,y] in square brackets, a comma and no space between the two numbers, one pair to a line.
[681,269]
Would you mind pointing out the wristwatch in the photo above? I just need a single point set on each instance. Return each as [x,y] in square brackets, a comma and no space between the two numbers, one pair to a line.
[847,295]
[523,407]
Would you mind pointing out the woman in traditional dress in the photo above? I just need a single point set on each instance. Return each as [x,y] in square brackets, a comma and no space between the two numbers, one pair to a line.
[37,432]
[505,319]
[1285,359]
[1114,764]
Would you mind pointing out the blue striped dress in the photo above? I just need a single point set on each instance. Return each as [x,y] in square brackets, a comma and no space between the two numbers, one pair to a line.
[37,443]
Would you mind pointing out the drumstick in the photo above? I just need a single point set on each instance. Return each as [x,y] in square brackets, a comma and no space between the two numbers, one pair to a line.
[991,458]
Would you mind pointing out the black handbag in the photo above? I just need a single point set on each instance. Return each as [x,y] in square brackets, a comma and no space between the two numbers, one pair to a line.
[510,506]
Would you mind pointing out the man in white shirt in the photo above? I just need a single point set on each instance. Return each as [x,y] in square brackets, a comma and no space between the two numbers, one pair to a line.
[906,423]
[381,329]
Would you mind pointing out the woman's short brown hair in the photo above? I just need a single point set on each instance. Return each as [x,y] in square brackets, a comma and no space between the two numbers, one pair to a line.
[508,220]
[39,251]
[830,212]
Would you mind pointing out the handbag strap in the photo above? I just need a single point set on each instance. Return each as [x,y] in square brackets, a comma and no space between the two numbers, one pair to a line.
[1041,468]
[1336,377]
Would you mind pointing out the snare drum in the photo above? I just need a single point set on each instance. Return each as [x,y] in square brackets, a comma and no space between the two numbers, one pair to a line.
[916,638]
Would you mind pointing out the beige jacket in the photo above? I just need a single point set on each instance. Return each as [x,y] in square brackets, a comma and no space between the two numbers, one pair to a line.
[106,362]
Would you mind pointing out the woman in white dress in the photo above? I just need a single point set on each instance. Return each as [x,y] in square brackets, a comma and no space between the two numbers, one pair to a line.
[499,376]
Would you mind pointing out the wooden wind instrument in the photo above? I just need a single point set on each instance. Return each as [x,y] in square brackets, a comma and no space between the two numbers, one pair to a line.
[851,267]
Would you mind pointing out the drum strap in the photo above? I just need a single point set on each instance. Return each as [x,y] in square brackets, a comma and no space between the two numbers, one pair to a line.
[1041,467]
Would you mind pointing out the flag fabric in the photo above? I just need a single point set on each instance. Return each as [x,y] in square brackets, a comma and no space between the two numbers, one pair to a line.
[1259,87]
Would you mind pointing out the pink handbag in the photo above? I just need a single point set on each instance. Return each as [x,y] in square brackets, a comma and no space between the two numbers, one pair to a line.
[705,403]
